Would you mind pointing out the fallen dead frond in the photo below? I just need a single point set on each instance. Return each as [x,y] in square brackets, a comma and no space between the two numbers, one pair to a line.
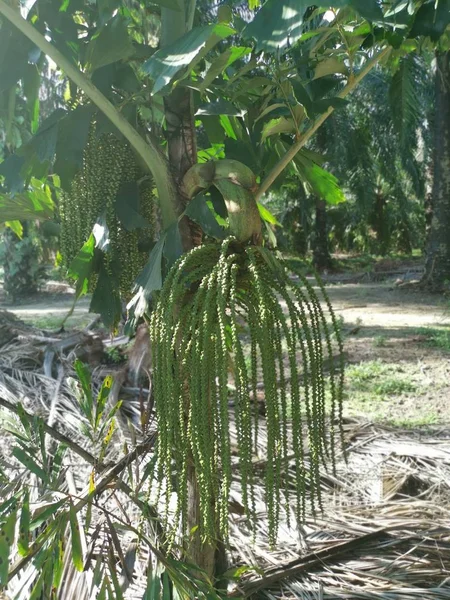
[382,534]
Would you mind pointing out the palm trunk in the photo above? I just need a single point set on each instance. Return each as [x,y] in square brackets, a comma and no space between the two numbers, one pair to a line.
[437,268]
[321,254]
[180,127]
[404,241]
[380,224]
[182,153]
[429,178]
[21,273]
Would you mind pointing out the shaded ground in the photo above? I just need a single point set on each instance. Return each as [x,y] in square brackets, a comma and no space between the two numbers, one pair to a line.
[397,343]
[48,309]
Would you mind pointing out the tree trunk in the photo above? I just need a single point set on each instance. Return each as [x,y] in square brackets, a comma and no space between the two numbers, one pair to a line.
[429,178]
[437,268]
[21,269]
[182,153]
[180,129]
[404,239]
[299,232]
[379,223]
[321,255]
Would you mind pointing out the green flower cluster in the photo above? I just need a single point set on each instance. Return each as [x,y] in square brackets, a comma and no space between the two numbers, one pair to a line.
[233,314]
[108,163]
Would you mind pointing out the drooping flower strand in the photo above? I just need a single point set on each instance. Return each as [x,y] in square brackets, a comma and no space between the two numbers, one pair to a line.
[230,313]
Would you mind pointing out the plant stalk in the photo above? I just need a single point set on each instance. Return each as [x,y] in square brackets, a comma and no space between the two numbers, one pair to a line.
[180,121]
[150,154]
[290,154]
[182,152]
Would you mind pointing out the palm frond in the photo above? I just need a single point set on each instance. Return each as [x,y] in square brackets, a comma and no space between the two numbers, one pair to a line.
[405,100]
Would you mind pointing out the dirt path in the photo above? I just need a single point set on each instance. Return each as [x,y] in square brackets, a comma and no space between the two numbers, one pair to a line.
[48,309]
[386,307]
[397,345]
[398,353]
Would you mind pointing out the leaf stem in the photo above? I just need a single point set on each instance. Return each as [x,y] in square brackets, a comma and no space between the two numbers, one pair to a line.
[290,154]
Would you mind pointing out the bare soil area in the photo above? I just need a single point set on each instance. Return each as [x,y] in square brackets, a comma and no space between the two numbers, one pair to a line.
[397,344]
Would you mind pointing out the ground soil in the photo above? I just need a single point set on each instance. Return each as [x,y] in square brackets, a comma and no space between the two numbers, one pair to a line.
[397,344]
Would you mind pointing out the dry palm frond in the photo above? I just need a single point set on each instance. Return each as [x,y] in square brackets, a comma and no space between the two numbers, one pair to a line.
[384,531]
[383,534]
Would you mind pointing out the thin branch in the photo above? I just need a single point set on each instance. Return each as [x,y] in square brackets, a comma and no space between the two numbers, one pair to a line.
[148,152]
[290,154]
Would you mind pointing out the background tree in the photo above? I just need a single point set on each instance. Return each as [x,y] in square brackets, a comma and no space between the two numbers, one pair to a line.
[437,271]
[378,147]
[35,96]
[254,116]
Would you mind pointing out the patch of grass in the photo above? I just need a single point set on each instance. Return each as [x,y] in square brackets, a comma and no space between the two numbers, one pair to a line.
[374,379]
[54,322]
[379,341]
[390,393]
[365,371]
[367,262]
[355,264]
[46,322]
[299,263]
[413,422]
[436,337]
[393,387]
[56,273]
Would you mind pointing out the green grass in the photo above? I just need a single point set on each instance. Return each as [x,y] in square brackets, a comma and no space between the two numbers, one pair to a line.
[373,389]
[392,393]
[392,386]
[436,337]
[358,263]
[376,390]
[411,422]
[299,263]
[380,341]
[368,262]
[53,323]
[355,264]
[375,378]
